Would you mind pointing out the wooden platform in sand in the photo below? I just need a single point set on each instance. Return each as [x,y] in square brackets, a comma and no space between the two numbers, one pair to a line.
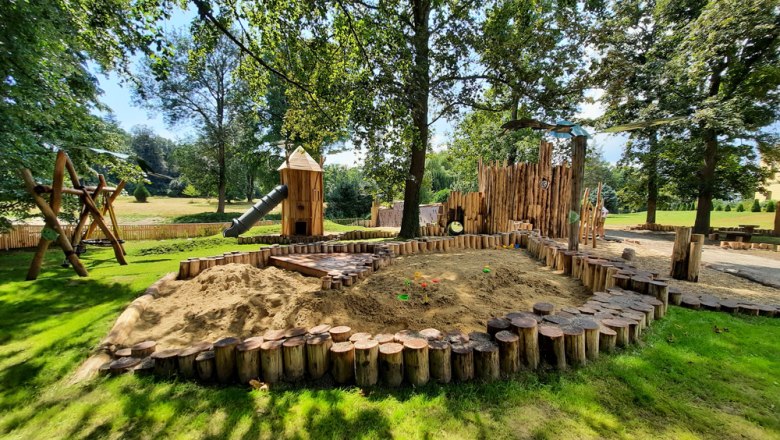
[320,265]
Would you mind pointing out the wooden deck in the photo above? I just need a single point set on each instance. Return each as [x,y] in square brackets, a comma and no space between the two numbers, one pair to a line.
[320,265]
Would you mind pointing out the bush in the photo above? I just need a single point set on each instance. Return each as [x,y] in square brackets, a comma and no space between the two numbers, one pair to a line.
[756,206]
[141,194]
[441,196]
[207,217]
[728,208]
[770,206]
[190,191]
[719,207]
[740,208]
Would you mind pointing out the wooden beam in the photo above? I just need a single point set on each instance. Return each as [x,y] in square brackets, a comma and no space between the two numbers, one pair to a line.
[579,146]
[55,202]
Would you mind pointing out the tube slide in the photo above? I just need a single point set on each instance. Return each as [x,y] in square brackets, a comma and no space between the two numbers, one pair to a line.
[256,212]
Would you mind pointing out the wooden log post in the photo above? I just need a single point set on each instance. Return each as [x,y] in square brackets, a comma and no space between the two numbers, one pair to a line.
[122,365]
[607,339]
[552,348]
[205,366]
[487,365]
[366,362]
[621,329]
[143,349]
[680,253]
[225,359]
[248,360]
[416,364]
[495,325]
[391,364]
[272,361]
[591,329]
[462,362]
[694,257]
[543,308]
[165,362]
[660,291]
[508,352]
[187,359]
[340,333]
[342,362]
[574,343]
[526,329]
[579,146]
[439,353]
[317,354]
[294,358]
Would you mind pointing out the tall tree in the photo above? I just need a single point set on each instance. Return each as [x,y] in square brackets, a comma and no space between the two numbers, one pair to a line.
[199,85]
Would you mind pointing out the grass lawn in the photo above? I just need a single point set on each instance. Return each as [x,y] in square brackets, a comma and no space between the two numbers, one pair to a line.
[765,220]
[686,381]
[166,209]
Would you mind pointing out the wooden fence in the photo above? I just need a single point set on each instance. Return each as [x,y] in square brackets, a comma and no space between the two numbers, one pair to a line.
[25,236]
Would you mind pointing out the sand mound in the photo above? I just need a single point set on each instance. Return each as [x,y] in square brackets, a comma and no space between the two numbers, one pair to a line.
[238,300]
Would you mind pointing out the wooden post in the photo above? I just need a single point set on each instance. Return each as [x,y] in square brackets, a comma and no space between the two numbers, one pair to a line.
[495,325]
[462,362]
[271,361]
[591,328]
[317,358]
[391,364]
[574,341]
[552,346]
[366,362]
[526,329]
[205,366]
[486,361]
[621,329]
[225,359]
[165,364]
[607,339]
[294,358]
[416,367]
[543,308]
[694,257]
[680,253]
[187,359]
[248,360]
[342,362]
[508,352]
[440,353]
[340,333]
[143,349]
[579,146]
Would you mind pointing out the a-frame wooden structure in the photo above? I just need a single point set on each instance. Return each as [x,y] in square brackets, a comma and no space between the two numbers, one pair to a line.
[89,209]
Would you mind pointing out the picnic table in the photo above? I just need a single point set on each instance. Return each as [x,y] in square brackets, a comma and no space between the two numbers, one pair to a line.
[745,234]
[749,229]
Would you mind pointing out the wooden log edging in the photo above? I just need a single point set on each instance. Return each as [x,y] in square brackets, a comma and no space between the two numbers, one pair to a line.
[566,338]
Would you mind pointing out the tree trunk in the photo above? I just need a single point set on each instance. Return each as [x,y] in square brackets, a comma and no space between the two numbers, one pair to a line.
[706,182]
[652,178]
[222,179]
[250,190]
[579,149]
[419,91]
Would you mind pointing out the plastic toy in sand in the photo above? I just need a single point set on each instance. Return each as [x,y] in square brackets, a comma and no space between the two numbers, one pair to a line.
[486,269]
[403,297]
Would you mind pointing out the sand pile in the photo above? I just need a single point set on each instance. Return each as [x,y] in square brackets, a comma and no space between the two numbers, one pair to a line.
[238,300]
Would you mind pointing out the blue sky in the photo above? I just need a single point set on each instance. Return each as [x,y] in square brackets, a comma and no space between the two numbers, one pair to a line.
[117,96]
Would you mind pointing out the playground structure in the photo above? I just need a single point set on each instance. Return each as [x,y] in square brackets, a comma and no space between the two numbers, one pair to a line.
[300,194]
[72,245]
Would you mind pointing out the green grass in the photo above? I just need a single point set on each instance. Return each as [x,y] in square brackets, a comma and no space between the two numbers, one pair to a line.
[686,381]
[328,225]
[765,220]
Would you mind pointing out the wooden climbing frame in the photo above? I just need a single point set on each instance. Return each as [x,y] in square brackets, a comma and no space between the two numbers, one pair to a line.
[89,209]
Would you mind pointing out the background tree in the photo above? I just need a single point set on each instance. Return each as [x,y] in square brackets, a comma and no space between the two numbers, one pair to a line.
[157,152]
[347,194]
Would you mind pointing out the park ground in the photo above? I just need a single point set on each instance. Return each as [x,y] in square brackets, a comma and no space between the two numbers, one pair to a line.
[695,375]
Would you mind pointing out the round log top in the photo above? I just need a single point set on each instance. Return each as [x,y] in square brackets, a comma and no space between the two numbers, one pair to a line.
[254,338]
[391,348]
[321,328]
[603,315]
[615,323]
[124,363]
[318,339]
[572,310]
[431,334]
[572,330]
[607,331]
[250,345]
[462,348]
[195,349]
[456,337]
[587,310]
[205,355]
[505,336]
[271,345]
[359,336]
[384,338]
[342,347]
[652,301]
[366,344]
[166,354]
[636,316]
[403,335]
[273,335]
[146,363]
[586,323]
[416,343]
[227,342]
[524,323]
[295,331]
[145,345]
[340,330]
[294,341]
[512,315]
[438,345]
[659,283]
[480,336]
[612,306]
[550,331]
[557,319]
[640,307]
[123,352]
[495,322]
[725,303]
[485,347]
[543,307]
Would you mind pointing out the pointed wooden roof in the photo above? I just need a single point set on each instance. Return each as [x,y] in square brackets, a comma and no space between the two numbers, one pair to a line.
[300,160]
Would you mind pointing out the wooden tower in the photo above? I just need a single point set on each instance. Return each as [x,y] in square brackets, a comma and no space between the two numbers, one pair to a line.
[302,210]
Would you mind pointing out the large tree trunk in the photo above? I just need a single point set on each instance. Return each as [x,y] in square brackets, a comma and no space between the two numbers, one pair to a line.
[222,180]
[652,178]
[706,182]
[419,88]
[250,190]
